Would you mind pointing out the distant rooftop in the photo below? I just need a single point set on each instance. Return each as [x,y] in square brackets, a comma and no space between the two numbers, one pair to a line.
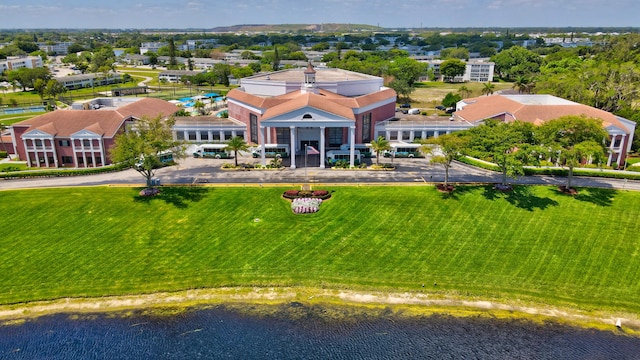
[539,100]
[322,75]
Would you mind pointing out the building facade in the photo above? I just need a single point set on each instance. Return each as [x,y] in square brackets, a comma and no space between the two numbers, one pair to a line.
[18,62]
[324,109]
[81,138]
[538,109]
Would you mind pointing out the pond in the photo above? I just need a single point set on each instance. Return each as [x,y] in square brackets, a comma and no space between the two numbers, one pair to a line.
[295,331]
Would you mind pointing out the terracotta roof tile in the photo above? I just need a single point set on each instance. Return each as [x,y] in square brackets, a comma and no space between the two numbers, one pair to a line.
[63,123]
[486,107]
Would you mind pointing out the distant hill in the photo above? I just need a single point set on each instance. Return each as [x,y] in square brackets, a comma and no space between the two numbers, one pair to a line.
[295,27]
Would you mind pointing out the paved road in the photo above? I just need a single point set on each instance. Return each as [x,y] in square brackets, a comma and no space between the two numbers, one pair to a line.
[208,171]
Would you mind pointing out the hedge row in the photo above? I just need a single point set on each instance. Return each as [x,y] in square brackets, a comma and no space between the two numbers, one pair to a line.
[552,171]
[60,172]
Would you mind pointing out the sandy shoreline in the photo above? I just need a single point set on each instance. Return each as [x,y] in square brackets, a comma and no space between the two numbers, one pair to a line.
[410,303]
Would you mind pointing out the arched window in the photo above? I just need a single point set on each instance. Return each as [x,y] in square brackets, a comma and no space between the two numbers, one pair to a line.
[307,116]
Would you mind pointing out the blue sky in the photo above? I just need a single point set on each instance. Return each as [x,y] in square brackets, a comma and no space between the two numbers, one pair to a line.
[385,13]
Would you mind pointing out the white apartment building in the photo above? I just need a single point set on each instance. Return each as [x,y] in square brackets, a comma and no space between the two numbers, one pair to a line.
[17,62]
[476,71]
[151,46]
[60,48]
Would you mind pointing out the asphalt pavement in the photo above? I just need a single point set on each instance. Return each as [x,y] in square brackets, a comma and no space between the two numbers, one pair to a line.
[192,171]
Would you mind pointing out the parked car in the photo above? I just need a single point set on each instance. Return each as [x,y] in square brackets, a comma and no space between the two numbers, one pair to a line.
[405,106]
[441,107]
[414,112]
[450,110]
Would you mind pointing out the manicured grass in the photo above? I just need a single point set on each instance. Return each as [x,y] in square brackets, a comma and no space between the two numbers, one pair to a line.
[10,119]
[532,244]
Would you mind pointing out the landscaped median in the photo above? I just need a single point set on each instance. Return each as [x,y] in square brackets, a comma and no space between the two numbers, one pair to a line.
[557,171]
[530,247]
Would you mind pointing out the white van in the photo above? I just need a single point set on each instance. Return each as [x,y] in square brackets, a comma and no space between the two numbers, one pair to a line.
[414,112]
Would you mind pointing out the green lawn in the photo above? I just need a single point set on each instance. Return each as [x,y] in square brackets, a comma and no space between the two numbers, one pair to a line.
[532,244]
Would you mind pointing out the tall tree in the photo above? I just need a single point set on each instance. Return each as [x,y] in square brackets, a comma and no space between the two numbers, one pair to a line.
[516,61]
[141,145]
[380,145]
[504,143]
[172,53]
[452,68]
[573,139]
[488,88]
[448,148]
[237,144]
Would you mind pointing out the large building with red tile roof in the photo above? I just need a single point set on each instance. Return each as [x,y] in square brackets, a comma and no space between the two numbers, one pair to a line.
[81,138]
[324,108]
[538,109]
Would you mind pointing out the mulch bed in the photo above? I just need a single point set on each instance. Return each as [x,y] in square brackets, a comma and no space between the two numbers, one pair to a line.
[569,191]
[445,189]
[503,188]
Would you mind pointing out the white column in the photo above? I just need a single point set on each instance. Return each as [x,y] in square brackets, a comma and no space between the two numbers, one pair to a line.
[53,150]
[210,137]
[399,135]
[620,150]
[388,135]
[198,137]
[411,135]
[322,147]
[75,155]
[613,141]
[424,134]
[93,154]
[293,146]
[269,137]
[352,148]
[221,136]
[436,134]
[103,160]
[26,152]
[263,158]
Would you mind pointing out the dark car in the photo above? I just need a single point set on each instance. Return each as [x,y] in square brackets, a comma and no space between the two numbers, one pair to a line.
[405,106]
[450,110]
[440,107]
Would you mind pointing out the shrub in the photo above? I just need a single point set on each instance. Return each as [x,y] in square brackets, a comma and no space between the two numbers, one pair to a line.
[291,193]
[3,154]
[320,192]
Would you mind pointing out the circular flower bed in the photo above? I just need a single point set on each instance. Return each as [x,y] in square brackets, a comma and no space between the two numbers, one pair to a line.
[305,205]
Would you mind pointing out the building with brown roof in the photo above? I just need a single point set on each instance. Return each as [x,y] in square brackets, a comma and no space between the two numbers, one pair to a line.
[538,109]
[81,138]
[324,108]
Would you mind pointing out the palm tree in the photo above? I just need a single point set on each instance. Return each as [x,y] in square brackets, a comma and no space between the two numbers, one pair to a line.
[379,145]
[488,89]
[237,144]
[199,105]
[464,91]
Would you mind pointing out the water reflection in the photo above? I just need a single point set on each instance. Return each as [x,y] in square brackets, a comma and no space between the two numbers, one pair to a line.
[298,332]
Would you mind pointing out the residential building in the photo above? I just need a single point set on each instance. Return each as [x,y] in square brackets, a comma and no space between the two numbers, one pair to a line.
[175,76]
[83,136]
[324,108]
[151,47]
[475,71]
[18,62]
[80,81]
[59,48]
[538,109]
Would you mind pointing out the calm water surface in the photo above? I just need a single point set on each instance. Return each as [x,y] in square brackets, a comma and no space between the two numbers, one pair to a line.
[298,332]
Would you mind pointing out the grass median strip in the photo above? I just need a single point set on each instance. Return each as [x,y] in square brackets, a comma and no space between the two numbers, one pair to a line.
[532,244]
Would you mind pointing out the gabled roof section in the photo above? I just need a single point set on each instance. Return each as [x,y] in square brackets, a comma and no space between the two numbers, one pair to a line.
[64,123]
[299,100]
[535,109]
